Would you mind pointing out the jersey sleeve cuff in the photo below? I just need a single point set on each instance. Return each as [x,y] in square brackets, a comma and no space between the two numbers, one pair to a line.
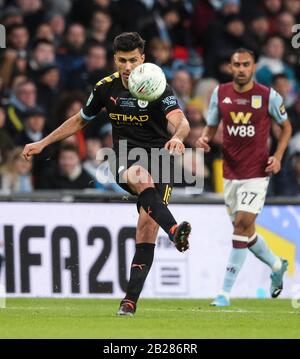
[85,117]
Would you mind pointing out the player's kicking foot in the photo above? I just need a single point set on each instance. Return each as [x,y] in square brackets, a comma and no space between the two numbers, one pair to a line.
[220,301]
[179,234]
[127,307]
[277,279]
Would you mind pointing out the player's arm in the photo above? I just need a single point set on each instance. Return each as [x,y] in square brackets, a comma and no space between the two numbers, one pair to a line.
[181,129]
[207,135]
[212,123]
[68,128]
[274,162]
[278,113]
[72,125]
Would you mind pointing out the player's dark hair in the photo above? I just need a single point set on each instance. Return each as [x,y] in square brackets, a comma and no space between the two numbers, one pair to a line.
[243,50]
[129,41]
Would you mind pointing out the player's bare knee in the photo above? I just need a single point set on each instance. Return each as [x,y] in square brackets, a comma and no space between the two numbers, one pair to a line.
[139,178]
[149,225]
[242,226]
[147,230]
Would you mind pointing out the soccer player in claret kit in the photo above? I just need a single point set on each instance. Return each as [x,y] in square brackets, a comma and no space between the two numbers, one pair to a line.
[143,125]
[247,110]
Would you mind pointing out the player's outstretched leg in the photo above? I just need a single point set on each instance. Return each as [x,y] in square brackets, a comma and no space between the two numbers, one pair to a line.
[259,248]
[152,203]
[235,262]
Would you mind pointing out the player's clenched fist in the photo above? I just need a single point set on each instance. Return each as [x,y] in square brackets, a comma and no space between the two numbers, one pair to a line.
[202,142]
[33,149]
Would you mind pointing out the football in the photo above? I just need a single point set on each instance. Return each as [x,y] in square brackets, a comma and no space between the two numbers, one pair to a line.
[147,82]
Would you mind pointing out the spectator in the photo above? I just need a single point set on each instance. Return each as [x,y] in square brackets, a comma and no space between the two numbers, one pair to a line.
[21,100]
[282,85]
[167,25]
[15,175]
[45,31]
[70,54]
[57,23]
[33,12]
[258,31]
[294,115]
[196,130]
[48,88]
[232,37]
[160,53]
[93,69]
[286,21]
[182,85]
[60,6]
[6,143]
[43,53]
[13,63]
[102,29]
[34,127]
[272,9]
[11,16]
[293,7]
[223,70]
[71,105]
[18,37]
[203,90]
[271,63]
[35,130]
[69,173]
[290,185]
[194,111]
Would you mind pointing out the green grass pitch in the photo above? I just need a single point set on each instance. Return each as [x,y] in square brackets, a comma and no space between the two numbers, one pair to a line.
[95,318]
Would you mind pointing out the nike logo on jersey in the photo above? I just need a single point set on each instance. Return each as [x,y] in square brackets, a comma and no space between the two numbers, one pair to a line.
[114,100]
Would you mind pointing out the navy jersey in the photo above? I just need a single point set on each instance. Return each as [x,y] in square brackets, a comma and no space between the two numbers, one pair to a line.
[141,123]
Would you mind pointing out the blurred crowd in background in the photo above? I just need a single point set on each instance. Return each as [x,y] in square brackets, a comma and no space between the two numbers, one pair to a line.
[58,49]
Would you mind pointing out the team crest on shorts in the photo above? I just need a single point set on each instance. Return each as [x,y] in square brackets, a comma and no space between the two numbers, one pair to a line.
[256,102]
[143,104]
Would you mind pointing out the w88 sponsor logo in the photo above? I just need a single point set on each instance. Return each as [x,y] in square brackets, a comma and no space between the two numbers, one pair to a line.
[242,131]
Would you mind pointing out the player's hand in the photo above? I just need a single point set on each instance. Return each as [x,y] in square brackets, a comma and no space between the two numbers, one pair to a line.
[274,165]
[175,146]
[202,142]
[32,149]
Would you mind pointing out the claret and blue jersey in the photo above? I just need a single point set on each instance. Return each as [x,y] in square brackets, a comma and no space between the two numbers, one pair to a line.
[247,119]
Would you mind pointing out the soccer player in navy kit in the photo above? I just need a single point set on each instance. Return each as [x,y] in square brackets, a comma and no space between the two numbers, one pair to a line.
[247,110]
[142,125]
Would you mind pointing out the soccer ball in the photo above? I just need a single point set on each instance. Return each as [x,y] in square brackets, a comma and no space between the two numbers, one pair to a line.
[147,82]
